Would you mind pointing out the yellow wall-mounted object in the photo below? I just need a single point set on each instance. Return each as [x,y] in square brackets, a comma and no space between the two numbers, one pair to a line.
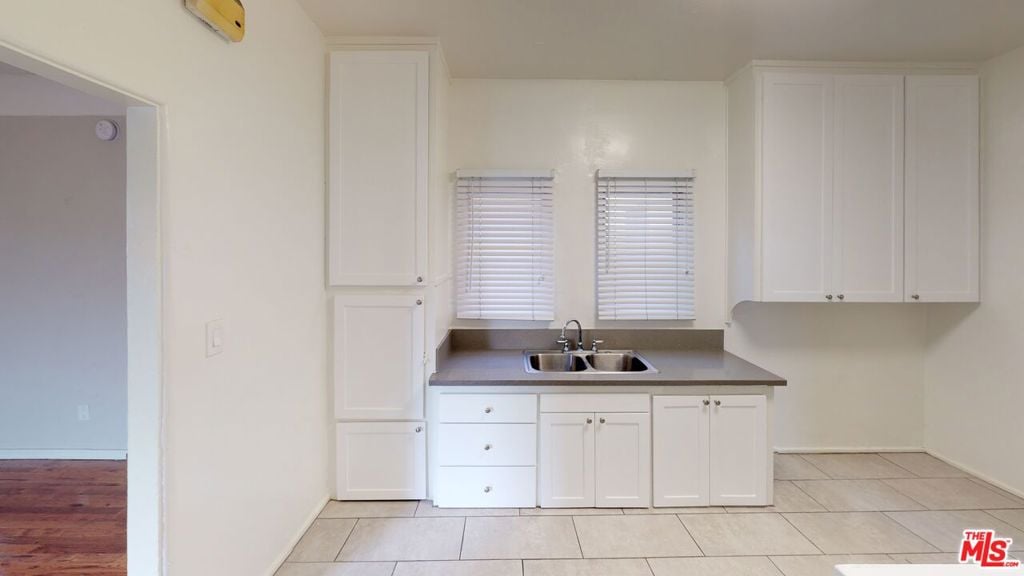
[226,17]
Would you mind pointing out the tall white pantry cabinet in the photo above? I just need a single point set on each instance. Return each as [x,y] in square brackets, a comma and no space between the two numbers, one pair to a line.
[852,184]
[387,269]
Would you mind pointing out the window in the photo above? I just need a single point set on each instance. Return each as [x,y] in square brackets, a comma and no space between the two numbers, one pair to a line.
[645,246]
[504,243]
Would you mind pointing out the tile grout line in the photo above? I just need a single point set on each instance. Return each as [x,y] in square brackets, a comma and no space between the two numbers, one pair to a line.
[777,567]
[647,561]
[800,532]
[576,531]
[811,464]
[347,536]
[804,492]
[462,542]
[679,517]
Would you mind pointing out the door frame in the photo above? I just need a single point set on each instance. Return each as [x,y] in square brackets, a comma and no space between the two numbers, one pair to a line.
[146,538]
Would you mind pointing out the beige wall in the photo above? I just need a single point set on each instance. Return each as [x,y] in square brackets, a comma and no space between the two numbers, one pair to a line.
[242,210]
[855,372]
[974,391]
[62,298]
[577,127]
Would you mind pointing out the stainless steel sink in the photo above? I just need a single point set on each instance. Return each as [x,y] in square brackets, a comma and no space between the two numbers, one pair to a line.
[617,362]
[555,362]
[612,361]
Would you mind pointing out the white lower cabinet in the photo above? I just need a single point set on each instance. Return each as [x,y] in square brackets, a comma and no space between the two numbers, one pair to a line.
[739,451]
[566,460]
[681,450]
[593,458]
[487,451]
[711,450]
[622,464]
[381,461]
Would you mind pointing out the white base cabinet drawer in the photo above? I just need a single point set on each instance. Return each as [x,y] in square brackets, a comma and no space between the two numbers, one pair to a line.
[488,408]
[487,487]
[488,445]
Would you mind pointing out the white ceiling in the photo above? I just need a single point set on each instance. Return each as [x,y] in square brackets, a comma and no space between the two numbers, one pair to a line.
[678,39]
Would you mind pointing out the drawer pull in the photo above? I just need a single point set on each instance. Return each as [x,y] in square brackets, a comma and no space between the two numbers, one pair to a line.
[487,488]
[488,410]
[487,446]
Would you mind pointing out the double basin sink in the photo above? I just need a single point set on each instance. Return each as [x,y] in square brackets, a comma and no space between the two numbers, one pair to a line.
[612,361]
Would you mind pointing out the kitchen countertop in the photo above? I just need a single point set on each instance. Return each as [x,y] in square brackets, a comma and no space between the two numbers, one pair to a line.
[675,367]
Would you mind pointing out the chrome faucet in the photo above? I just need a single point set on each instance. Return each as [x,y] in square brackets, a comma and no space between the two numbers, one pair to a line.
[579,336]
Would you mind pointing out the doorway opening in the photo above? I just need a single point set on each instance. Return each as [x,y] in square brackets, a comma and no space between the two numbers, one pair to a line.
[80,323]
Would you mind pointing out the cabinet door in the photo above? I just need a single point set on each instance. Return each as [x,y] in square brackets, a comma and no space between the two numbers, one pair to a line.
[623,461]
[942,189]
[567,460]
[378,357]
[739,451]
[681,450]
[796,186]
[381,461]
[378,167]
[868,189]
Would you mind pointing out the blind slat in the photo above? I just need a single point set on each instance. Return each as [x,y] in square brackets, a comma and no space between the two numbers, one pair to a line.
[645,252]
[504,256]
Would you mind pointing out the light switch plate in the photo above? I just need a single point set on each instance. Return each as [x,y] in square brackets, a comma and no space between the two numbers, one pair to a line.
[214,337]
[83,413]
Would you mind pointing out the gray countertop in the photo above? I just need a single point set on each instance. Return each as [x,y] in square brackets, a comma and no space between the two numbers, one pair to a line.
[696,367]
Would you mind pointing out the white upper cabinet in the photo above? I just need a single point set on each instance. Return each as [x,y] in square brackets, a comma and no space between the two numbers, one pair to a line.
[379,118]
[868,189]
[378,357]
[796,181]
[852,187]
[942,189]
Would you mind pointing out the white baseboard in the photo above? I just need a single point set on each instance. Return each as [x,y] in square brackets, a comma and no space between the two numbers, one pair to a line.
[846,449]
[276,564]
[63,454]
[977,474]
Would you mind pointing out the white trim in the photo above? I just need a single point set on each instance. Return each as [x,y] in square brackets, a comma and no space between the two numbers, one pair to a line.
[847,449]
[979,475]
[283,555]
[645,174]
[63,454]
[485,173]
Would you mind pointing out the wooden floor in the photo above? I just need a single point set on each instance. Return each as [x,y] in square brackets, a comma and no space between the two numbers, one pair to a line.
[62,517]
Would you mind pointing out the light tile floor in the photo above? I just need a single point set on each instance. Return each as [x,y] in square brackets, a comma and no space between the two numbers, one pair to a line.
[829,509]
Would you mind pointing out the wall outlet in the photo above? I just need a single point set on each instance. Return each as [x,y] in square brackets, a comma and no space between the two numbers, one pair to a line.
[214,337]
[83,412]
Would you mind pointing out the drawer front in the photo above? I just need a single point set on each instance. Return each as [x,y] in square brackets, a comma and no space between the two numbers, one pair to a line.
[488,408]
[566,403]
[488,445]
[486,487]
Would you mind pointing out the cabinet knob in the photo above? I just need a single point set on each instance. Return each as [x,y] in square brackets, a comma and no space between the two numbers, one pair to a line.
[601,420]
[916,296]
[487,488]
[718,402]
[707,402]
[487,446]
[419,302]
[419,279]
[842,296]
[590,420]
[419,429]
[488,410]
[828,297]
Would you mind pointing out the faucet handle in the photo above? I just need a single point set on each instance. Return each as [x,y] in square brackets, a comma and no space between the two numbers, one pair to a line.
[564,342]
[593,345]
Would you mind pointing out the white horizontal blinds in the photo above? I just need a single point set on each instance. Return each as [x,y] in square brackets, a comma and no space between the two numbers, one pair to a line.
[645,260]
[504,245]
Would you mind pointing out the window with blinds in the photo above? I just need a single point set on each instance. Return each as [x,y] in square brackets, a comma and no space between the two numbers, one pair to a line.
[504,243]
[645,259]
